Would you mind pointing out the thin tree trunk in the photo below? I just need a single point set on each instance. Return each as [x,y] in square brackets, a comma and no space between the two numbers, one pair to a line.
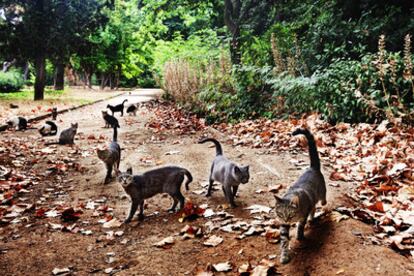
[59,76]
[89,80]
[104,81]
[235,47]
[112,81]
[39,86]
[25,71]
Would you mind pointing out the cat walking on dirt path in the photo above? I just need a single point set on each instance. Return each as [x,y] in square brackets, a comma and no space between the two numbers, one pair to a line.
[111,156]
[298,204]
[162,180]
[228,173]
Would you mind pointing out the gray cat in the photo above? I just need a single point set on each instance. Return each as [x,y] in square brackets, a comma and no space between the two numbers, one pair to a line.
[162,180]
[111,156]
[229,174]
[298,204]
[67,136]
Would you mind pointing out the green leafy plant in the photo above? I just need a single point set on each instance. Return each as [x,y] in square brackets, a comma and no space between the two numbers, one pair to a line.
[11,81]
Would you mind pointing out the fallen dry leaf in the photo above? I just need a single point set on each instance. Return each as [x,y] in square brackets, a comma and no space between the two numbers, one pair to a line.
[165,241]
[213,241]
[222,267]
[113,223]
[256,208]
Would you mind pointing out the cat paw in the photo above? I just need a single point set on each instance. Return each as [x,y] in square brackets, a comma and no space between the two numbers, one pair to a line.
[208,194]
[128,220]
[107,181]
[141,217]
[233,205]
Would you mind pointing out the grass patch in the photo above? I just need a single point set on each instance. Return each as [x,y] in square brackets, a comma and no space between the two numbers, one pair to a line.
[28,94]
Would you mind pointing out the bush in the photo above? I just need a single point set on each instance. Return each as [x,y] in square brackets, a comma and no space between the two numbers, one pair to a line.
[11,81]
[293,95]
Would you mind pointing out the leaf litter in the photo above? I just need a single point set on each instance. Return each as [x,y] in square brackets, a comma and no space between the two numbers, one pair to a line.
[378,157]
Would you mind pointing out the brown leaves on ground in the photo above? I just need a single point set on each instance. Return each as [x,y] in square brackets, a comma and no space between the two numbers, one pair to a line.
[190,212]
[168,117]
[378,157]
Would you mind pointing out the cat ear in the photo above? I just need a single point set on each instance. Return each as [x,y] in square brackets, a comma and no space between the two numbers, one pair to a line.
[237,170]
[129,170]
[294,201]
[247,168]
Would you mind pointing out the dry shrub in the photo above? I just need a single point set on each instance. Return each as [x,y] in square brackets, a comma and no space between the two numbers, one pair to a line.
[182,80]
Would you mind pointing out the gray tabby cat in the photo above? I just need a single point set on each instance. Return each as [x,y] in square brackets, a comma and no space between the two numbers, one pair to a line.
[298,204]
[67,136]
[162,180]
[229,174]
[111,156]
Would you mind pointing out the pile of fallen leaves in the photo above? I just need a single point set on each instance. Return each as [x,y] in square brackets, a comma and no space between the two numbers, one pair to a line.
[21,172]
[169,117]
[379,157]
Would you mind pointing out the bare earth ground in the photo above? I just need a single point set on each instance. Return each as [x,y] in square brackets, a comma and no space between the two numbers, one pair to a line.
[33,248]
[72,96]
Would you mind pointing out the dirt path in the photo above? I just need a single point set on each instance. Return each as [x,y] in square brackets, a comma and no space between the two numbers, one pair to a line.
[331,248]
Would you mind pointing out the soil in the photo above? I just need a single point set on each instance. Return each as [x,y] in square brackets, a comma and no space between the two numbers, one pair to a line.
[331,247]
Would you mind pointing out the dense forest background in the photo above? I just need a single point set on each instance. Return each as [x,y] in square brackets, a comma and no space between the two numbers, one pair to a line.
[349,60]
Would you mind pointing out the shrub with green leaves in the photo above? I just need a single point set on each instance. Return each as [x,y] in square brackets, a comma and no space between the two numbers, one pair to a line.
[11,81]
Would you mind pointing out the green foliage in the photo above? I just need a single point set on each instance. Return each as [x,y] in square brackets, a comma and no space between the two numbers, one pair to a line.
[293,95]
[11,81]
[26,94]
[199,49]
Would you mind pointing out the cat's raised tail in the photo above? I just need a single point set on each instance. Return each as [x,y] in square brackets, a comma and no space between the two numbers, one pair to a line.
[313,151]
[219,150]
[189,178]
[115,137]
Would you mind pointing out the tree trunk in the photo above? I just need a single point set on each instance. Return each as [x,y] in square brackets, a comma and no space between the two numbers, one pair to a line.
[232,20]
[26,71]
[104,80]
[59,76]
[39,86]
[235,54]
[112,81]
[89,80]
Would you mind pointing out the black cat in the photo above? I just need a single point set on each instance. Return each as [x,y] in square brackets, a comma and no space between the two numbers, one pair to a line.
[110,121]
[117,108]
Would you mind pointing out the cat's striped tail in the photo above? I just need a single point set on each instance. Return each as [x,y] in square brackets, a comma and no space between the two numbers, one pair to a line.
[219,150]
[189,178]
[313,151]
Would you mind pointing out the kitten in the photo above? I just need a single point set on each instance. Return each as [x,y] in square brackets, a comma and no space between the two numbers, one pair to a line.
[18,123]
[54,113]
[48,129]
[117,108]
[67,136]
[298,204]
[229,174]
[132,110]
[111,156]
[110,121]
[162,180]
